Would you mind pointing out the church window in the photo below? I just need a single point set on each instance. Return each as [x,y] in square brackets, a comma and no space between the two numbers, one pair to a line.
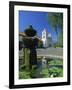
[43,36]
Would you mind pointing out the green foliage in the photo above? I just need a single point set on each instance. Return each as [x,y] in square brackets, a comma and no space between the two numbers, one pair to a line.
[33,73]
[22,67]
[51,70]
[40,44]
[34,67]
[55,19]
[58,44]
[60,39]
[56,72]
[56,62]
[24,75]
[54,69]
[45,73]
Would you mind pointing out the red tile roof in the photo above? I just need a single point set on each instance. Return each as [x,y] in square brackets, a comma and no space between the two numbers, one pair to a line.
[22,34]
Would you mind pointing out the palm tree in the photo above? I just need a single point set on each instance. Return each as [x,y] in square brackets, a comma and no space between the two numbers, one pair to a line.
[56,21]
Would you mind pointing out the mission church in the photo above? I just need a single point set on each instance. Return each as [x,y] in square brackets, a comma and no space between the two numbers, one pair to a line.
[47,39]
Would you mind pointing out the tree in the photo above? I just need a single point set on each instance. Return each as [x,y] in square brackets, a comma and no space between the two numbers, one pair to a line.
[56,21]
[60,39]
[40,44]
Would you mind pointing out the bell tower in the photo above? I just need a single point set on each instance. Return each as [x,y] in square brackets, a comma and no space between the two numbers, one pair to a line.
[44,37]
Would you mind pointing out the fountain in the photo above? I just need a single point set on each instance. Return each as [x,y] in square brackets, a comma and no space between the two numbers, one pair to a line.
[31,42]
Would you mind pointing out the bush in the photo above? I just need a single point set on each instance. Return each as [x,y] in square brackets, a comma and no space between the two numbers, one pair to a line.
[45,73]
[34,70]
[23,67]
[24,75]
[56,72]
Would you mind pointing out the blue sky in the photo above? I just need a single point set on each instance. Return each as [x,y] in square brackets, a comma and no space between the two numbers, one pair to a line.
[38,20]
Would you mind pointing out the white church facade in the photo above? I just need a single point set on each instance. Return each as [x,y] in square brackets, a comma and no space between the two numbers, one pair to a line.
[46,38]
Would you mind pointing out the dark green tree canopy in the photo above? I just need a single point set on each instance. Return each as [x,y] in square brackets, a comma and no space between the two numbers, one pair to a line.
[56,19]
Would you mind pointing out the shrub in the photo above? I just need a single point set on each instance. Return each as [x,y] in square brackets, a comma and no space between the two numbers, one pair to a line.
[23,67]
[24,75]
[56,72]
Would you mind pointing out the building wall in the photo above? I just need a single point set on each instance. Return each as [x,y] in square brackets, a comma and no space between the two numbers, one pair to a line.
[44,37]
[47,40]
